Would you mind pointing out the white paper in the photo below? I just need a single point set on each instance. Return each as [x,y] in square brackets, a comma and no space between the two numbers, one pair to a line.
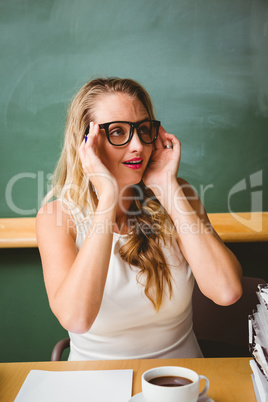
[78,386]
[260,383]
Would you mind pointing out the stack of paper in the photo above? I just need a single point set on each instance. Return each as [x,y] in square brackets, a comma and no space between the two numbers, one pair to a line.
[258,344]
[82,386]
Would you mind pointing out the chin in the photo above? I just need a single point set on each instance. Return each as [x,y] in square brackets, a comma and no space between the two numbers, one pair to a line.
[129,178]
[130,183]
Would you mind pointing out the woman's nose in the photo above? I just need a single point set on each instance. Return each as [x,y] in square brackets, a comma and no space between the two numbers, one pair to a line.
[135,142]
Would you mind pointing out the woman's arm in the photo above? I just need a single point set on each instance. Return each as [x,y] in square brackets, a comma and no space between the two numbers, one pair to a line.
[74,280]
[216,269]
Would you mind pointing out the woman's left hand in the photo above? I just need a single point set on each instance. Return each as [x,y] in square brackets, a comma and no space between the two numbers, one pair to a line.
[164,162]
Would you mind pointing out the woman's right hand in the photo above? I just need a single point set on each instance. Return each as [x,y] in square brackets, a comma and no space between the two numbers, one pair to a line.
[94,169]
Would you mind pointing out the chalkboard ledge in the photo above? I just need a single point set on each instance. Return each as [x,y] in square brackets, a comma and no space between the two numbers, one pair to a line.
[238,227]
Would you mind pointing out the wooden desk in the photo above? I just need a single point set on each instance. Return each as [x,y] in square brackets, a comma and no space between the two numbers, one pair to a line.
[230,379]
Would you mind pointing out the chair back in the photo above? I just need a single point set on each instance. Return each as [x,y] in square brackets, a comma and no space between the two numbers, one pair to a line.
[222,331]
[59,348]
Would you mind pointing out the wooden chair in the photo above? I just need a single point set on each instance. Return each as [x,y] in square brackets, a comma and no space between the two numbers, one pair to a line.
[222,331]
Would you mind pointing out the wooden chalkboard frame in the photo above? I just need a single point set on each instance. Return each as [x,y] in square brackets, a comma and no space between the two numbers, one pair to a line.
[20,232]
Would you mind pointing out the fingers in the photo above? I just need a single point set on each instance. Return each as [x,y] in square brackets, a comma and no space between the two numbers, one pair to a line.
[87,149]
[91,137]
[172,142]
[166,141]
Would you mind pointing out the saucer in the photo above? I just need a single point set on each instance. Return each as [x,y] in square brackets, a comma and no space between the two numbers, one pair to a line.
[139,398]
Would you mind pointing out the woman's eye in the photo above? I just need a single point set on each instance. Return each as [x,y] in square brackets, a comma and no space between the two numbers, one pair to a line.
[116,132]
[144,130]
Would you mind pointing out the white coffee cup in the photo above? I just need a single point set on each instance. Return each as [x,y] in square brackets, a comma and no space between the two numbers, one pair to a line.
[160,393]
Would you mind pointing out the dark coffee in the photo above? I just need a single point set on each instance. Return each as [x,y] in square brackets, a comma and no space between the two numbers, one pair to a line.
[170,381]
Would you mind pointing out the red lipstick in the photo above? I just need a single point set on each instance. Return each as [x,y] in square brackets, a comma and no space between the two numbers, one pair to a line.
[134,163]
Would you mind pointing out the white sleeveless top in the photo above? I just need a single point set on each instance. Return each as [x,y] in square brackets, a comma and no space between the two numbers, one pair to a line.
[127,325]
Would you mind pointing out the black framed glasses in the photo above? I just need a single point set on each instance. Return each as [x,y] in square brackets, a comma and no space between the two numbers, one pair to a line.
[120,132]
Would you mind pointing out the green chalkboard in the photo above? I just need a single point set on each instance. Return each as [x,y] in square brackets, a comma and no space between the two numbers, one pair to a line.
[204,62]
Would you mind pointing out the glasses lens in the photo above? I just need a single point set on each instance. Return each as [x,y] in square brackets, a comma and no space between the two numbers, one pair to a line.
[147,132]
[119,133]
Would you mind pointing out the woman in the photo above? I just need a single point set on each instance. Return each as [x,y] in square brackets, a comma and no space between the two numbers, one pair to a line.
[124,239]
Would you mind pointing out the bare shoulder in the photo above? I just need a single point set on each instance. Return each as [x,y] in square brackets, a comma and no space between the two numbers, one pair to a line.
[53,219]
[55,232]
[193,199]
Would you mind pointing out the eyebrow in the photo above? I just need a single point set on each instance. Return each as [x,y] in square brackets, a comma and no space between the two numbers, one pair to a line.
[119,121]
[125,121]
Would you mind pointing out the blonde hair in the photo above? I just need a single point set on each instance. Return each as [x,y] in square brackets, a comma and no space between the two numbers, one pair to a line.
[152,225]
